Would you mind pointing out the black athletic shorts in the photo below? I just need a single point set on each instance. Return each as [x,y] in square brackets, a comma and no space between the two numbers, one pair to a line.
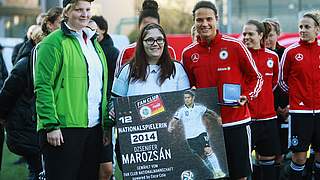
[304,129]
[198,144]
[283,127]
[237,141]
[265,137]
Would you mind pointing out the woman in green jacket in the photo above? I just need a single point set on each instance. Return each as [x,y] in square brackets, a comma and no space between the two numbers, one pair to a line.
[70,85]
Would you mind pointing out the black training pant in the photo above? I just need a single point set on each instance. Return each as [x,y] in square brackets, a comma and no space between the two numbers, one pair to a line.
[77,158]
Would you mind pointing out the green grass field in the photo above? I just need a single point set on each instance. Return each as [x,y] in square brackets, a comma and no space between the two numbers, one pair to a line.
[10,171]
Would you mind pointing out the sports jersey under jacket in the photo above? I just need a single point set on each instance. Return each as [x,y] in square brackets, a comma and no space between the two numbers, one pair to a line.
[224,60]
[267,61]
[300,76]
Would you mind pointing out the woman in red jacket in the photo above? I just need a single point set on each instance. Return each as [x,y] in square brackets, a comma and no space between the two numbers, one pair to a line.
[300,77]
[265,136]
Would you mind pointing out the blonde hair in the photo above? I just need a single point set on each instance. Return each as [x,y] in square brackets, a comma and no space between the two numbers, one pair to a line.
[31,29]
[37,34]
[68,8]
[315,15]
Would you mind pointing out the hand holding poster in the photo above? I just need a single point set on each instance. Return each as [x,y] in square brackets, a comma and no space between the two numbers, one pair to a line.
[174,135]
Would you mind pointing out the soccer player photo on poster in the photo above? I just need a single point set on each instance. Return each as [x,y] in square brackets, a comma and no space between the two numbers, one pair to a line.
[176,135]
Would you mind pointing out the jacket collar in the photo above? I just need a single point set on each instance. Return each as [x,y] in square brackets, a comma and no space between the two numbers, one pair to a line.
[153,68]
[214,40]
[314,43]
[278,46]
[70,32]
[65,29]
[256,50]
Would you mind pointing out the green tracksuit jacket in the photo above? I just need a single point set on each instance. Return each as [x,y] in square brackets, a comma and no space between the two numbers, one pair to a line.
[61,82]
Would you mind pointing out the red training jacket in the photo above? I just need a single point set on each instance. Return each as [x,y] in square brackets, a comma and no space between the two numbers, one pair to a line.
[300,76]
[224,60]
[267,61]
[128,53]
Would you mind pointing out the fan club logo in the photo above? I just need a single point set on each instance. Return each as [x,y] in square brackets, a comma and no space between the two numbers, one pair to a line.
[299,57]
[187,175]
[270,63]
[150,106]
[195,57]
[223,54]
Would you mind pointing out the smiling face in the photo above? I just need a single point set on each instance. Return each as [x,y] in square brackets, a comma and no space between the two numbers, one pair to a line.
[308,30]
[205,23]
[79,16]
[251,37]
[153,44]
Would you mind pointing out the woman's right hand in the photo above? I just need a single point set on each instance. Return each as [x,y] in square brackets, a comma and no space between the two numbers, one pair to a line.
[55,137]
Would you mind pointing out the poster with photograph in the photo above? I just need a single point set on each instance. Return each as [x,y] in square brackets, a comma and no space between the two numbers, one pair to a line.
[175,135]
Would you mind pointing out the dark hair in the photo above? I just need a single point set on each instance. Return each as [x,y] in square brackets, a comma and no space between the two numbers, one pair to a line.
[102,23]
[51,16]
[262,27]
[149,9]
[275,23]
[139,64]
[204,4]
[190,92]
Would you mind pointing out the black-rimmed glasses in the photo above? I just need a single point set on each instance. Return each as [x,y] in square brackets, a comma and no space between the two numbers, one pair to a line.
[150,41]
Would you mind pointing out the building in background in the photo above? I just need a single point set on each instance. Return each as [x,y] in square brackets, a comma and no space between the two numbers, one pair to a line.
[122,15]
[16,16]
[234,13]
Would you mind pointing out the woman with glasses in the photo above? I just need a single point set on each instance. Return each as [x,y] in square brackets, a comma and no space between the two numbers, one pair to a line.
[151,70]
